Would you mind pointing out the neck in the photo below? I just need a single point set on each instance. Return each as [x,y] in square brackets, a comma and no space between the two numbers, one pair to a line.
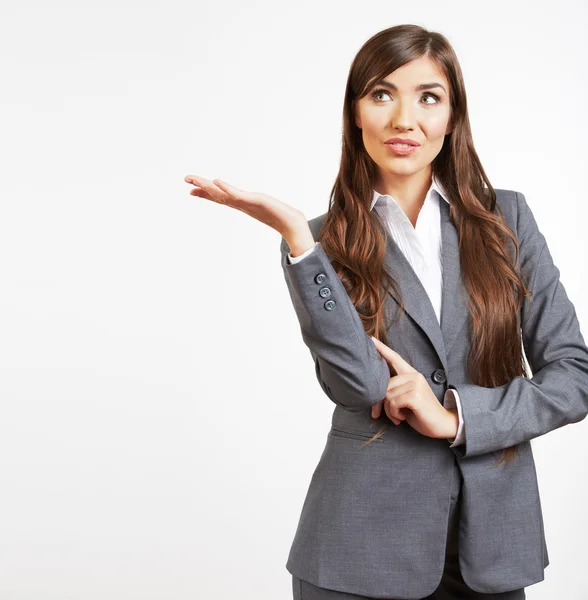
[410,191]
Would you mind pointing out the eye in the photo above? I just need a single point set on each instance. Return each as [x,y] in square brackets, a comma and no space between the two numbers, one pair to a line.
[378,91]
[437,99]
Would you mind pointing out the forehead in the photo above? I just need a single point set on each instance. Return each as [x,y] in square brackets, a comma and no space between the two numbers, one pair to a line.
[414,73]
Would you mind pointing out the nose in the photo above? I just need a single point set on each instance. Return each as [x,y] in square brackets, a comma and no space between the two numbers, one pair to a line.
[403,115]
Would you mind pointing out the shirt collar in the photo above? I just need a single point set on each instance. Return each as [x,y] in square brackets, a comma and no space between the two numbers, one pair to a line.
[435,185]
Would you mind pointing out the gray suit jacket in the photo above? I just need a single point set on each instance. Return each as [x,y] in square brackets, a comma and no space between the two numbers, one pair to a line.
[375,518]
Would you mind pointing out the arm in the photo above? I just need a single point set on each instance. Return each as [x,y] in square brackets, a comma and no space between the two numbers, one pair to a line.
[557,394]
[451,400]
[349,368]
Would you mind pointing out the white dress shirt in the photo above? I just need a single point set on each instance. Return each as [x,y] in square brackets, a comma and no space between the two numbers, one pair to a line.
[421,245]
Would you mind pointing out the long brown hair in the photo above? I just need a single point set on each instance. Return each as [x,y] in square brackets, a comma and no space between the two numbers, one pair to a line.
[354,238]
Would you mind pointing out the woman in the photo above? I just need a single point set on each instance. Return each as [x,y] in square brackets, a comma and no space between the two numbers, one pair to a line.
[418,252]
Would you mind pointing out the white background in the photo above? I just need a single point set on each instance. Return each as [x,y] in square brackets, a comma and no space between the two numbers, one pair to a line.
[160,417]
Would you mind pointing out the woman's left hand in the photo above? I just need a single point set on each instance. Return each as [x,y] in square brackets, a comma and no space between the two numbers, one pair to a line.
[410,398]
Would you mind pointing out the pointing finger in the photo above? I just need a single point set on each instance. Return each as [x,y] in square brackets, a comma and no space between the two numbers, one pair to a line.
[397,362]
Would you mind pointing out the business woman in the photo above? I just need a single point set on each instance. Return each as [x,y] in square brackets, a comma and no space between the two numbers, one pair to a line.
[416,293]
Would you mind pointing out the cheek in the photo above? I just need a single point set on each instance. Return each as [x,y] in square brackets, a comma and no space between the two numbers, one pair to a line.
[435,127]
[374,123]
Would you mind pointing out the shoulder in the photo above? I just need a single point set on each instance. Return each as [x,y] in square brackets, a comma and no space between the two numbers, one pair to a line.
[507,200]
[516,211]
[511,202]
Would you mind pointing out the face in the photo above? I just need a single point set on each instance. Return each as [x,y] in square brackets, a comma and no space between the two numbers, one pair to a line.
[401,110]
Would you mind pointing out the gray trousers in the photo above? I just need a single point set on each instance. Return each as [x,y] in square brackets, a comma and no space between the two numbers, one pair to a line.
[452,585]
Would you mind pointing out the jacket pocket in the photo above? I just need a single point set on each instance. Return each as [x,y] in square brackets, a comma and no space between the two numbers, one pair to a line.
[354,435]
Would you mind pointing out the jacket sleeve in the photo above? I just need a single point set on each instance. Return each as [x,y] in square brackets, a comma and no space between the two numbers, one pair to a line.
[295,259]
[348,366]
[557,394]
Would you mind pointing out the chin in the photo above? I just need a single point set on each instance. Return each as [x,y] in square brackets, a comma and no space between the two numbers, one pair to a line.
[406,169]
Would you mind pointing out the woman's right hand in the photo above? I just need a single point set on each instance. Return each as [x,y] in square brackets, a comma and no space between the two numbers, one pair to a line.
[285,219]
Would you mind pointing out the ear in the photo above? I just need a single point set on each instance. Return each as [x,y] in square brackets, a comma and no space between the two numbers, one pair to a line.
[357,118]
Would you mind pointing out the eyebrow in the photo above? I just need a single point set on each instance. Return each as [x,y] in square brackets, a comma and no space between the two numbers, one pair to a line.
[418,88]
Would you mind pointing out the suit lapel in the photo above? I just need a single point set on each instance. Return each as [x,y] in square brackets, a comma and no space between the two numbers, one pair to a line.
[416,300]
[454,309]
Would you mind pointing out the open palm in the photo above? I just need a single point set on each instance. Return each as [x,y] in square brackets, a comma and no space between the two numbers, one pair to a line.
[268,210]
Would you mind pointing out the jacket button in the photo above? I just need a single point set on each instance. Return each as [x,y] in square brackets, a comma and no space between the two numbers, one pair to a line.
[320,278]
[439,376]
[325,292]
[330,304]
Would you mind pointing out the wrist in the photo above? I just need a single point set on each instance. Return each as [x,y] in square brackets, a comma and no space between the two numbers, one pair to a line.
[452,423]
[299,239]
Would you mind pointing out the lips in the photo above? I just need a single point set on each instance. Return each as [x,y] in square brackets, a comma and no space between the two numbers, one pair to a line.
[401,149]
[398,140]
